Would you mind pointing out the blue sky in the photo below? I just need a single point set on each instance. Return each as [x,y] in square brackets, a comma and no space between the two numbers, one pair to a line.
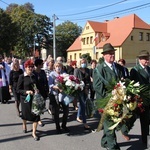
[79,11]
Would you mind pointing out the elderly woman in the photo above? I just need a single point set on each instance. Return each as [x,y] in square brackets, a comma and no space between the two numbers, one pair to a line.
[56,99]
[13,79]
[83,74]
[25,87]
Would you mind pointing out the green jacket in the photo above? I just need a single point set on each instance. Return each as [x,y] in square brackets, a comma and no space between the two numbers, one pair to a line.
[103,75]
[138,74]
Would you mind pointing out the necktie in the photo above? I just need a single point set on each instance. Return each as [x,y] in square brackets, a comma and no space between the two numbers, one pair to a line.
[146,70]
[114,69]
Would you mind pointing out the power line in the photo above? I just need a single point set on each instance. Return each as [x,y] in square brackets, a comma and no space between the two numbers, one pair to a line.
[94,9]
[4,2]
[120,11]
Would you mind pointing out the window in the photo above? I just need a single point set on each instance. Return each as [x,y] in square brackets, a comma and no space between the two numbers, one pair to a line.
[96,55]
[147,36]
[91,39]
[75,55]
[141,36]
[80,55]
[71,57]
[87,42]
[83,41]
[87,27]
[132,38]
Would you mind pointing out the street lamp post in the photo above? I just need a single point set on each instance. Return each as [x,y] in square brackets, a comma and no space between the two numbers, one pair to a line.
[54,38]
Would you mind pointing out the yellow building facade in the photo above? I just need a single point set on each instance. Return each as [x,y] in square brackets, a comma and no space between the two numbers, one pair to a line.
[128,35]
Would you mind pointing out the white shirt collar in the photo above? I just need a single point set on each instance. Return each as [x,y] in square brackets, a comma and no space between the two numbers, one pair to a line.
[25,74]
[109,64]
[142,66]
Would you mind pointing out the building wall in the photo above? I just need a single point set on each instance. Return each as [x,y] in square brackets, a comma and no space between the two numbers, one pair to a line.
[128,50]
[133,45]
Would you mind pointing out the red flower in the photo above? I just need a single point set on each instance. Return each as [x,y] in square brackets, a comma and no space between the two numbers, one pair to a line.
[140,105]
[115,105]
[118,84]
[60,79]
[72,78]
[100,110]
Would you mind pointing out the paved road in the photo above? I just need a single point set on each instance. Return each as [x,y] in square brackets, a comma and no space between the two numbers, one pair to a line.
[12,137]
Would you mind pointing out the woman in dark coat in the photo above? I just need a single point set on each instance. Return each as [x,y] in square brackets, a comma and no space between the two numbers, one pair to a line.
[42,82]
[25,87]
[13,79]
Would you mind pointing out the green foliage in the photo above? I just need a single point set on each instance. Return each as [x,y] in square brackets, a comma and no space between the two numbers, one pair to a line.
[101,59]
[23,30]
[87,57]
[66,33]
[8,32]
[101,103]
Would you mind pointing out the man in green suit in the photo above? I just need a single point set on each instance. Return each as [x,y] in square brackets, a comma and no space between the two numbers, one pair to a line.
[102,76]
[141,73]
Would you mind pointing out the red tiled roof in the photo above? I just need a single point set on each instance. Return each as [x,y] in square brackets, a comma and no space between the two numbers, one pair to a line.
[116,31]
[76,45]
[98,26]
[120,28]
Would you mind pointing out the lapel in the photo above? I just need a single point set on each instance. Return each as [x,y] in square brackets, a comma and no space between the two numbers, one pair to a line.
[107,69]
[148,69]
[142,72]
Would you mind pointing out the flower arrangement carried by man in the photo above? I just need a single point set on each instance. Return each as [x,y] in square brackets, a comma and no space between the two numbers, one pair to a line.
[70,86]
[121,102]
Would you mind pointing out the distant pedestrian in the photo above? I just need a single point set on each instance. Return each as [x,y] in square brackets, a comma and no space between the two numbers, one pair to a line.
[13,80]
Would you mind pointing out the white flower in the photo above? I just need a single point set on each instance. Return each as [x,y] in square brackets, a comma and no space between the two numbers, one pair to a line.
[68,83]
[136,84]
[81,85]
[122,84]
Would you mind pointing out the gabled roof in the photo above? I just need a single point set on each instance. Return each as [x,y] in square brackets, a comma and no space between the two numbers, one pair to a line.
[120,29]
[76,45]
[98,26]
[116,30]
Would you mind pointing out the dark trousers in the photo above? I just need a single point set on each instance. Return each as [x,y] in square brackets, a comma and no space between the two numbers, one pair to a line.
[55,106]
[4,94]
[92,93]
[144,120]
[109,139]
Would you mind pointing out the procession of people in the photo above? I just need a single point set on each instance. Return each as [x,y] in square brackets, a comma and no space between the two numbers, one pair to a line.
[38,76]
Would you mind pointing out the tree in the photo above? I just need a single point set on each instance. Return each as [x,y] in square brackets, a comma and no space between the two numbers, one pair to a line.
[87,57]
[8,32]
[10,8]
[33,29]
[66,33]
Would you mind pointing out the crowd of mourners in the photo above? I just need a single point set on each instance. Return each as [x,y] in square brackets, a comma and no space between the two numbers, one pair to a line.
[19,77]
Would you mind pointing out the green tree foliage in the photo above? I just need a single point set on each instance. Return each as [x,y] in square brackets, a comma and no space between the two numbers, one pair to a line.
[101,59]
[33,29]
[10,8]
[66,33]
[8,32]
[87,57]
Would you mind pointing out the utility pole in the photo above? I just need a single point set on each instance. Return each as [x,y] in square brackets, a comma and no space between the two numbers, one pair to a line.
[54,38]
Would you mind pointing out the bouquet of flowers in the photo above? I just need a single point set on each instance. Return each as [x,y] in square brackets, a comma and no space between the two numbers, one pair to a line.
[70,86]
[38,103]
[120,103]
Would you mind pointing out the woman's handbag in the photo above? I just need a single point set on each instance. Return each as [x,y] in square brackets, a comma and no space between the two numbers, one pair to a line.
[38,104]
[89,107]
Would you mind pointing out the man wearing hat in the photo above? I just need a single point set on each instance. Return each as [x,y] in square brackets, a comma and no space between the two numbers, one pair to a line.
[141,73]
[102,76]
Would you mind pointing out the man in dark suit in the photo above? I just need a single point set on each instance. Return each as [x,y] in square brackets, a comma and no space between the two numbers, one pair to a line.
[141,73]
[102,76]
